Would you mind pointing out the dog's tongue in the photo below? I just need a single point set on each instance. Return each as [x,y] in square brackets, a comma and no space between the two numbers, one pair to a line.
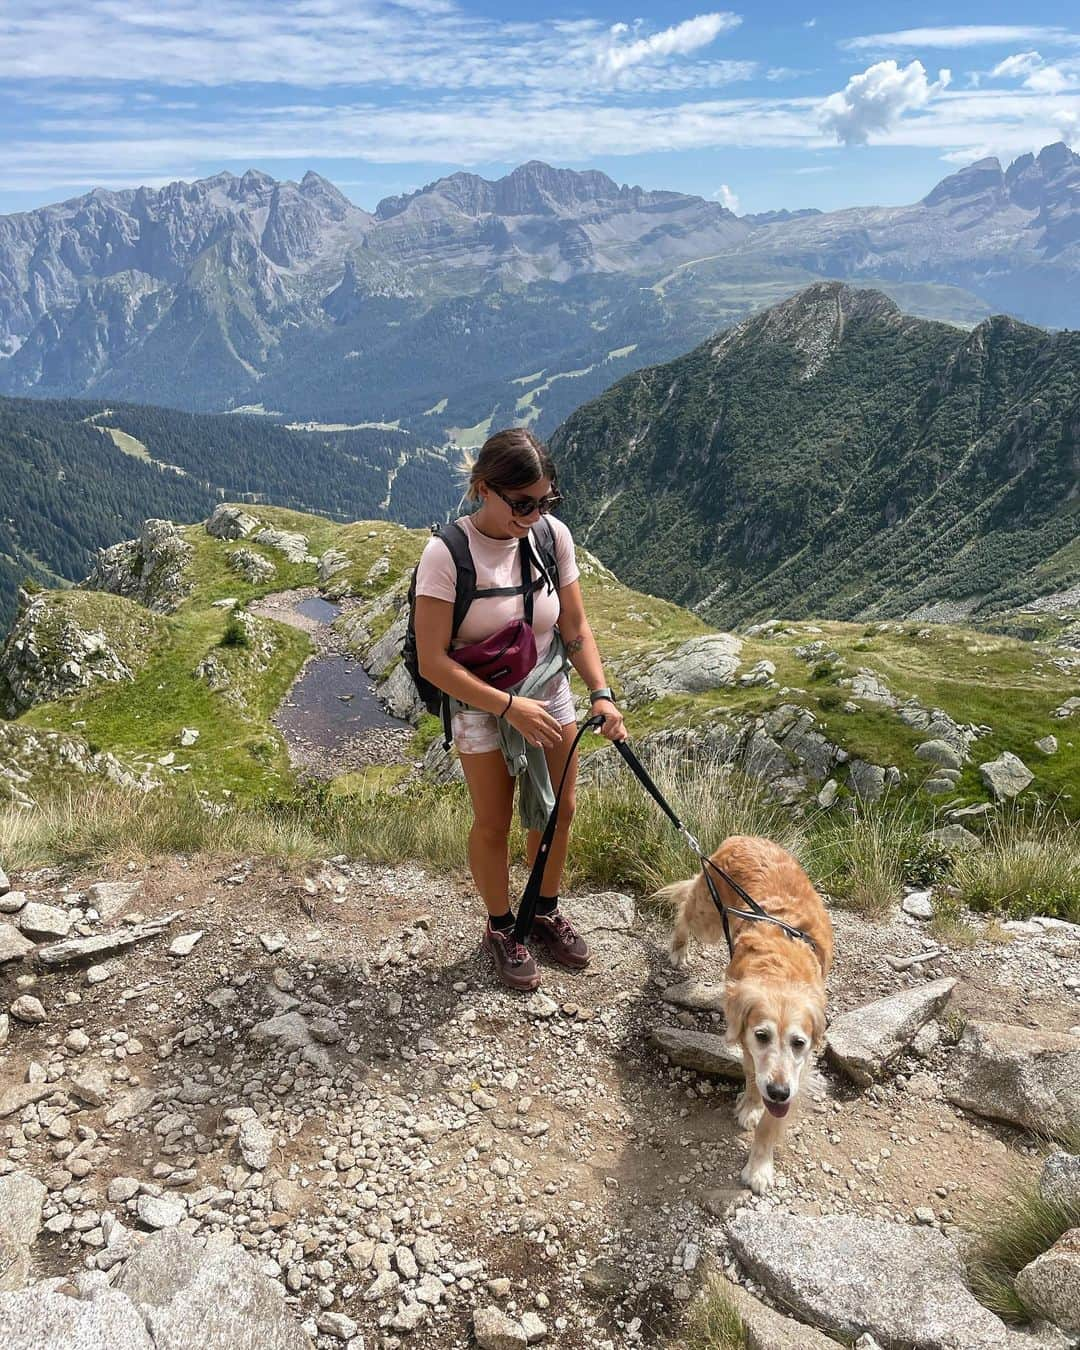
[778,1109]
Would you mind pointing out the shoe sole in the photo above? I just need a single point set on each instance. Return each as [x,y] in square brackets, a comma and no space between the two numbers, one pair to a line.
[524,987]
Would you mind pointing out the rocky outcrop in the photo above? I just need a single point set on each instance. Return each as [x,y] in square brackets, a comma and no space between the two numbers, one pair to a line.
[29,757]
[700,664]
[230,522]
[245,562]
[151,569]
[229,668]
[1006,777]
[63,643]
[293,545]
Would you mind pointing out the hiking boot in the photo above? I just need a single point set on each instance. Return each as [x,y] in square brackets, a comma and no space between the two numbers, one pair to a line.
[513,960]
[561,940]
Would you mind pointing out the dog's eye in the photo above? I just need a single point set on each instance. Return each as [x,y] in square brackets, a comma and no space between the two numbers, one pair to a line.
[764,1035]
[798,1043]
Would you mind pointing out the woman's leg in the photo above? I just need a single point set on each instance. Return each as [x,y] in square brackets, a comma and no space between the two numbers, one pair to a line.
[556,759]
[492,791]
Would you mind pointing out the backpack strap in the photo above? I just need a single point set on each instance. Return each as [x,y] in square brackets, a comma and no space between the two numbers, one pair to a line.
[455,539]
[542,540]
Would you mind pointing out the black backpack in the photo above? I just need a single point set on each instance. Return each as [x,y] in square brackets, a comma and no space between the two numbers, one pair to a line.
[542,541]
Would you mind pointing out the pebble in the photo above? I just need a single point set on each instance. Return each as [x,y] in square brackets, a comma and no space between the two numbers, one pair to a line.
[184,945]
[27,1008]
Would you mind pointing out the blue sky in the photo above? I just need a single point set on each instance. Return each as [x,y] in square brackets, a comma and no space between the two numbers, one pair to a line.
[759,106]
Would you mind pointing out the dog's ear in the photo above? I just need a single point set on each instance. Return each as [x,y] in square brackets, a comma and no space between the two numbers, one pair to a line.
[817,1015]
[737,1002]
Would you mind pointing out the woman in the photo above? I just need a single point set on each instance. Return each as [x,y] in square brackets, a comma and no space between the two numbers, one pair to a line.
[514,481]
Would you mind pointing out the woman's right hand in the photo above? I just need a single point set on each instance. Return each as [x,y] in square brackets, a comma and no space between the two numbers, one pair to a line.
[531,717]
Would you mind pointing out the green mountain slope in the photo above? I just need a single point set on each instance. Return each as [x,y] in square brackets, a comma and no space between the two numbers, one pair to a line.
[835,457]
[77,476]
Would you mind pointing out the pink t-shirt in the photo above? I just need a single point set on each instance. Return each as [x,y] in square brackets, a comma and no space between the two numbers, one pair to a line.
[497,563]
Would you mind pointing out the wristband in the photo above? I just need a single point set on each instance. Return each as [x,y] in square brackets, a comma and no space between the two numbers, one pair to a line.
[509,702]
[595,694]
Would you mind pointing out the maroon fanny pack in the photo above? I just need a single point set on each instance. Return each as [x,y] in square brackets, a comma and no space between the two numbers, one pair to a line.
[504,658]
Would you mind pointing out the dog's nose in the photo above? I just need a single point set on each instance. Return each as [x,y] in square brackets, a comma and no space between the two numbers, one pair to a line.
[778,1092]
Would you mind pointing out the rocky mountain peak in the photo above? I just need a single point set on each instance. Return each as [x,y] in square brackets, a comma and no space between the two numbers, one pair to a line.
[973,180]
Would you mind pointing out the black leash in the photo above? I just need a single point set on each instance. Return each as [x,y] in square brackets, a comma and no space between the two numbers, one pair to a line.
[756,912]
[531,894]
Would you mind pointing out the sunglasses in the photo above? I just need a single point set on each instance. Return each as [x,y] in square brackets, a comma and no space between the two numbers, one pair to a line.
[525,506]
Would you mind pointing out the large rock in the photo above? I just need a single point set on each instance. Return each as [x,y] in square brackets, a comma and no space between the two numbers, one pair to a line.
[850,1275]
[215,1299]
[866,780]
[21,1200]
[871,687]
[695,994]
[939,752]
[699,1050]
[79,949]
[252,566]
[766,1329]
[398,695]
[13,945]
[152,569]
[43,922]
[603,911]
[40,1318]
[291,543]
[17,1096]
[1060,1180]
[1006,777]
[864,1041]
[700,664]
[1050,1285]
[1018,1074]
[230,522]
[111,898]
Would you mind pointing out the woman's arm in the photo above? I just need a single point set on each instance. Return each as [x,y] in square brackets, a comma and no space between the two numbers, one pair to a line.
[585,656]
[434,621]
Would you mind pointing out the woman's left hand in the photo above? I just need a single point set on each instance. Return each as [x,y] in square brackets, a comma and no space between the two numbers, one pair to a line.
[613,727]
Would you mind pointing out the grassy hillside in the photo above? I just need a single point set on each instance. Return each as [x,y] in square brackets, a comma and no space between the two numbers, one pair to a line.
[835,457]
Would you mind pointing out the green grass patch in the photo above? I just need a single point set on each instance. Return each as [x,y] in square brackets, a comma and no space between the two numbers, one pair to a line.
[714,1322]
[1029,863]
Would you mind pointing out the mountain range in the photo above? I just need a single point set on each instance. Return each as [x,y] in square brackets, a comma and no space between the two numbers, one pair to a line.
[833,456]
[469,301]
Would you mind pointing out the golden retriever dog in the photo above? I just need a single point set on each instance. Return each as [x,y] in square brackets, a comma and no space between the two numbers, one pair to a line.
[774,992]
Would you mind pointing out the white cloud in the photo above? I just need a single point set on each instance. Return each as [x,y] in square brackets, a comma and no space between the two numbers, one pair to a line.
[810,23]
[726,197]
[1036,74]
[679,40]
[878,98]
[957,35]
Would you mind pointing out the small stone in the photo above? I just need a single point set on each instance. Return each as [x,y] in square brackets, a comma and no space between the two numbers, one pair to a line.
[337,1325]
[98,974]
[13,944]
[77,1041]
[540,1005]
[494,1330]
[1047,745]
[122,1189]
[256,1144]
[43,923]
[918,904]
[159,1211]
[273,942]
[184,945]
[27,1008]
[12,902]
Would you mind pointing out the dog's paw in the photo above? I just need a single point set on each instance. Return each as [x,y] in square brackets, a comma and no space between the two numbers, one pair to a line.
[679,957]
[759,1178]
[747,1112]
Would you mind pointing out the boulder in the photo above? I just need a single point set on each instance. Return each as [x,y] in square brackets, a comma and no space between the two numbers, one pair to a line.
[43,922]
[869,686]
[829,1271]
[1050,1285]
[766,1329]
[1018,1074]
[387,649]
[111,898]
[213,1298]
[288,542]
[332,562]
[867,781]
[252,566]
[603,911]
[1047,745]
[152,569]
[700,664]
[21,1199]
[695,994]
[230,522]
[13,945]
[939,752]
[954,838]
[1006,777]
[40,1318]
[1060,1180]
[863,1042]
[18,1096]
[700,1051]
[78,949]
[399,697]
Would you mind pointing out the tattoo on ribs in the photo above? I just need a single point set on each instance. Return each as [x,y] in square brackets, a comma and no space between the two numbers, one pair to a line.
[574,646]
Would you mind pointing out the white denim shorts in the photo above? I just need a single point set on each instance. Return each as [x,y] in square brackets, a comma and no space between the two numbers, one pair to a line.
[476,733]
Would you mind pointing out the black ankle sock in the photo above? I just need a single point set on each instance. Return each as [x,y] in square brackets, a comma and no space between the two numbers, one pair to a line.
[502,922]
[547,905]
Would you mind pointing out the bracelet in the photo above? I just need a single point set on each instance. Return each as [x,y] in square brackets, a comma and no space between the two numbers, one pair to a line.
[509,701]
[595,694]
